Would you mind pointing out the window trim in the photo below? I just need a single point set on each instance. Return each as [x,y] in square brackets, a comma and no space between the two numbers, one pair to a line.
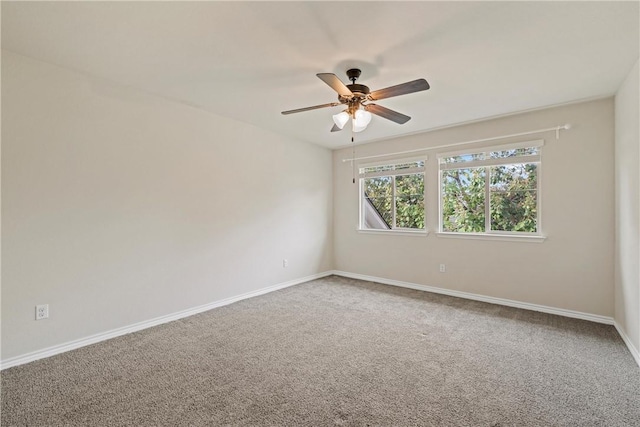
[393,173]
[520,237]
[486,164]
[397,231]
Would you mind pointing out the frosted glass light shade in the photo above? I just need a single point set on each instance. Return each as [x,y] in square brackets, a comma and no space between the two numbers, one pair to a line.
[361,120]
[341,119]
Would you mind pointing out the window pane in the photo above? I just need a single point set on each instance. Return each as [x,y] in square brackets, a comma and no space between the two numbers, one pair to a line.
[513,192]
[378,202]
[399,166]
[418,164]
[463,158]
[463,200]
[376,169]
[515,152]
[410,201]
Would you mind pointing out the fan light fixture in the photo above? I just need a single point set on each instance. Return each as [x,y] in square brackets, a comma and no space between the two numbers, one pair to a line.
[361,119]
[358,100]
[341,119]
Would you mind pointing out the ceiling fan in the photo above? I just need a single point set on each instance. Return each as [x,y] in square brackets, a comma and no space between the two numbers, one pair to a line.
[357,98]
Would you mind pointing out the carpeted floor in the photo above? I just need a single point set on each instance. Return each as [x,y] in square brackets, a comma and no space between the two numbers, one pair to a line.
[337,351]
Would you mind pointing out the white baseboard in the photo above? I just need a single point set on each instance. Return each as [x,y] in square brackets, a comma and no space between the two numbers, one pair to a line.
[476,297]
[82,342]
[72,345]
[634,351]
[501,301]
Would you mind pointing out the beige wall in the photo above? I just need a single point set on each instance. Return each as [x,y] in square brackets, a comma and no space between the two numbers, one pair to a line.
[627,190]
[571,270]
[119,207]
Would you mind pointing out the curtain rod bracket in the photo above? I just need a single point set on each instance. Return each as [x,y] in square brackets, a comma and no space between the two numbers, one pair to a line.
[566,126]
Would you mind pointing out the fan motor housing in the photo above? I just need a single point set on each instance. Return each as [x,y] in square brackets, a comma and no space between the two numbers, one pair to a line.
[359,92]
[358,89]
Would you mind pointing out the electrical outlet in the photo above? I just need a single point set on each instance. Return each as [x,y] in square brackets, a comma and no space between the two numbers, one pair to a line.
[42,311]
[285,263]
[442,268]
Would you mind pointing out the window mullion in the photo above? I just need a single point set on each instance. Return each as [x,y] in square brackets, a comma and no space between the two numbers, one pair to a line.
[487,199]
[393,201]
[361,198]
[441,196]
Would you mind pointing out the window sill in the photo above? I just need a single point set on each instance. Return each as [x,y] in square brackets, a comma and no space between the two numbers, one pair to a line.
[421,233]
[502,237]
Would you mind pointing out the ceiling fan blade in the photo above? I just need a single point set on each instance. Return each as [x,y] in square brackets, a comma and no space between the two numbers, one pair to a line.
[388,114]
[315,107]
[335,128]
[401,89]
[335,83]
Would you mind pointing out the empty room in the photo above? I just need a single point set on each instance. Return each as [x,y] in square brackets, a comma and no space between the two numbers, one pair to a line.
[320,213]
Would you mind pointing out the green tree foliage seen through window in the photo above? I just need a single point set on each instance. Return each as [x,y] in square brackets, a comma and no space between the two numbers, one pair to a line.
[512,198]
[409,199]
[463,200]
[379,191]
[513,193]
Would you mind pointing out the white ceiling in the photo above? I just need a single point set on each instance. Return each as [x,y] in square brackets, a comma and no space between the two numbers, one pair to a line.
[250,61]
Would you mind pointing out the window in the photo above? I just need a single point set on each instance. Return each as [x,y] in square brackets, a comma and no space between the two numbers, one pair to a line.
[392,196]
[493,191]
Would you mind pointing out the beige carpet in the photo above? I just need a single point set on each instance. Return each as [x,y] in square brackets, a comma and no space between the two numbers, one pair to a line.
[337,351]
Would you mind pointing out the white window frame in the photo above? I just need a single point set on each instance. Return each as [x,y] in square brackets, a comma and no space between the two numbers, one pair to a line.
[393,174]
[487,163]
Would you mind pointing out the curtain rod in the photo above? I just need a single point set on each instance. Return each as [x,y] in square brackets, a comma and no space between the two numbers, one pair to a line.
[557,129]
